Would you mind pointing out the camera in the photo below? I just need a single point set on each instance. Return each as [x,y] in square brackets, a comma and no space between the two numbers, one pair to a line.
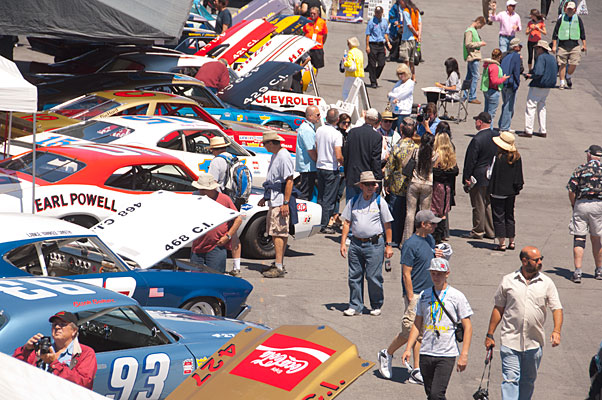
[481,394]
[43,345]
[421,115]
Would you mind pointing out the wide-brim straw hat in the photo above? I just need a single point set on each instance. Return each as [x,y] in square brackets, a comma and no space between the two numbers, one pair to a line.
[272,135]
[388,115]
[544,45]
[217,142]
[205,182]
[505,141]
[367,177]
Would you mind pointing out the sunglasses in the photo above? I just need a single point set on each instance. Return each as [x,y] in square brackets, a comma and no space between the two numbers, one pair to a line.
[345,122]
[538,259]
[370,184]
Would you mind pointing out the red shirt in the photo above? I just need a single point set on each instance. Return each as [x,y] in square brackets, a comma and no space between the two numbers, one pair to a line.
[316,31]
[207,242]
[214,74]
[535,35]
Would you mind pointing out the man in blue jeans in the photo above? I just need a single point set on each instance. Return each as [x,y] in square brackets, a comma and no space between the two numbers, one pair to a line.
[472,55]
[369,217]
[511,66]
[520,304]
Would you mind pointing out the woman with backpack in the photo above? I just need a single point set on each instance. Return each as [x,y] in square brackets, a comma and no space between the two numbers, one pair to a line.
[505,183]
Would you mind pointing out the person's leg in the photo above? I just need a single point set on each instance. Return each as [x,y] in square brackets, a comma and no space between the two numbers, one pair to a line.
[304,186]
[541,109]
[236,251]
[531,52]
[529,363]
[330,179]
[279,245]
[486,96]
[322,176]
[442,373]
[545,7]
[427,369]
[503,123]
[197,258]
[425,196]
[494,101]
[356,276]
[478,212]
[411,204]
[509,222]
[380,60]
[375,255]
[475,74]
[216,259]
[398,213]
[498,213]
[372,57]
[511,373]
[488,226]
[511,100]
[503,43]
[530,111]
[596,250]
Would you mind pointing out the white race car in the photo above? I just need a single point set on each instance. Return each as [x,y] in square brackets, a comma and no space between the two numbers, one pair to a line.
[184,138]
[86,184]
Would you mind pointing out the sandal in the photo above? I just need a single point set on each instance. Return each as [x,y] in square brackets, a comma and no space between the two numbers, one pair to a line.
[499,248]
[511,246]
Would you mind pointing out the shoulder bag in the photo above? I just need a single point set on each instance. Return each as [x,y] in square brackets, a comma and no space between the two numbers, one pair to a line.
[408,168]
[459,328]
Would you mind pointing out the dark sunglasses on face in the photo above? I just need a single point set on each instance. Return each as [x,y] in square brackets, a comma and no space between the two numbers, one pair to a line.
[538,259]
[370,184]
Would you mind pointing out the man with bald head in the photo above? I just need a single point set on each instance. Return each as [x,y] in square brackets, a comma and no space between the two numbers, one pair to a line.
[306,154]
[520,304]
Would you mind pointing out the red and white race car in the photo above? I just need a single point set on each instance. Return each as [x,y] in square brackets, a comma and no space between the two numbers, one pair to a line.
[86,184]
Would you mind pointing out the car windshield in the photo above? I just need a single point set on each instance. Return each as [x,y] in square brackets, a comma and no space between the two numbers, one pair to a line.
[95,131]
[149,178]
[49,166]
[197,141]
[65,257]
[86,108]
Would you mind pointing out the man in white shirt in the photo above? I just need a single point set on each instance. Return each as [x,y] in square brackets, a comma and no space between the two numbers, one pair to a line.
[520,305]
[329,144]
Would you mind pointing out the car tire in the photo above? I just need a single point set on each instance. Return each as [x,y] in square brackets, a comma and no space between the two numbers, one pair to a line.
[82,220]
[204,305]
[255,242]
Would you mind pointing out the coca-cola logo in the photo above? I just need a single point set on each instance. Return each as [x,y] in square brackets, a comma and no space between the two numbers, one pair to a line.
[282,361]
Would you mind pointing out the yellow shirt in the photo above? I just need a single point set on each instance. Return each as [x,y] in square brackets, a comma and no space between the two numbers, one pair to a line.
[355,57]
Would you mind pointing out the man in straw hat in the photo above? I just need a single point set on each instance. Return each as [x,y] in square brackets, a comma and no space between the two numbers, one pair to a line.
[211,249]
[543,78]
[279,187]
[585,194]
[219,167]
[388,132]
[370,219]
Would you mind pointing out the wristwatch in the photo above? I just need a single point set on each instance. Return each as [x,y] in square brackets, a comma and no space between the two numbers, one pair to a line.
[490,336]
[228,236]
[285,202]
[389,244]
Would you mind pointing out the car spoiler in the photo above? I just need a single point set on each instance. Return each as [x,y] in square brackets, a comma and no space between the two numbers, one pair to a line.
[291,362]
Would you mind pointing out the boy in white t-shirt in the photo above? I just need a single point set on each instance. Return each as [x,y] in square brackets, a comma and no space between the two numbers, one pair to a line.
[439,348]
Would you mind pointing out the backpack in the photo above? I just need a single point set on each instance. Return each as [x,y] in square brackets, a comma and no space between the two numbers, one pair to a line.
[238,182]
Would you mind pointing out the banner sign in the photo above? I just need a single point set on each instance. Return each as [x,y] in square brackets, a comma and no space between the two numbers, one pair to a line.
[350,11]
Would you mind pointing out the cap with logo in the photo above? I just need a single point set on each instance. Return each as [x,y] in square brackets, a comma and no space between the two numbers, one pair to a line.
[439,265]
[65,316]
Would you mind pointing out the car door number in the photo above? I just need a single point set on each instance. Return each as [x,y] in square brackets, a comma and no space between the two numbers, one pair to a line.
[16,288]
[124,374]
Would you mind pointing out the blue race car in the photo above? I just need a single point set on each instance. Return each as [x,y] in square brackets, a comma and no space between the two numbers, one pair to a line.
[44,246]
[141,353]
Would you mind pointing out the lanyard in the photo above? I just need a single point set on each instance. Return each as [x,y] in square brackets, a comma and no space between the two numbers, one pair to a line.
[435,307]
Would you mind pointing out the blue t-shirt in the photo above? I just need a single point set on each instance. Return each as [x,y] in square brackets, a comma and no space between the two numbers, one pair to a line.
[407,20]
[306,140]
[417,252]
[377,29]
[433,127]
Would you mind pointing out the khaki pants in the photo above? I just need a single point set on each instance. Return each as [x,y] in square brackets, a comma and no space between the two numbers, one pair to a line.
[482,220]
[418,198]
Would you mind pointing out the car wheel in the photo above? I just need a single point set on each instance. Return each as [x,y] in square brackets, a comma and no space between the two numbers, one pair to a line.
[255,241]
[204,305]
[82,220]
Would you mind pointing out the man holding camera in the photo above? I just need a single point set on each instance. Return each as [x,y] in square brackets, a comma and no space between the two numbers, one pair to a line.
[428,121]
[65,357]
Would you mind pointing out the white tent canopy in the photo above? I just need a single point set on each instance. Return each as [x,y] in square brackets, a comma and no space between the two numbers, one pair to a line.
[16,94]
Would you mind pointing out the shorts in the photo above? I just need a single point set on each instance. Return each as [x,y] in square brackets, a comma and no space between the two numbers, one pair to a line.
[408,316]
[587,218]
[275,223]
[407,48]
[317,58]
[572,56]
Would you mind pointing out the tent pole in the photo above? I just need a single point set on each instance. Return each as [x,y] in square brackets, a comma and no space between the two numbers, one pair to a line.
[10,131]
[33,167]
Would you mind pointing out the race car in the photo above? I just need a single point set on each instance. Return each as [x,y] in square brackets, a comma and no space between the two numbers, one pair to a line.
[86,184]
[44,246]
[184,138]
[140,353]
[51,93]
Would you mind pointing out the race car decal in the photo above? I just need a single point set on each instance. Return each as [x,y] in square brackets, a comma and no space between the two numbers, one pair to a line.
[282,361]
[301,207]
[125,369]
[47,233]
[134,93]
[303,100]
[155,292]
[23,288]
[83,199]
[125,285]
[93,301]
[188,366]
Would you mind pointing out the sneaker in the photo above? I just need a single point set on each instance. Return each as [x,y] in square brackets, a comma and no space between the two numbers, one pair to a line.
[375,312]
[562,86]
[327,230]
[350,312]
[416,377]
[576,277]
[475,101]
[569,83]
[234,272]
[525,134]
[598,273]
[385,364]
[273,265]
[274,273]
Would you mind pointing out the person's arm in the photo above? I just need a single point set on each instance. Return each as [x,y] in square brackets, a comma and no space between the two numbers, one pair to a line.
[407,20]
[367,44]
[288,190]
[582,29]
[387,41]
[388,239]
[494,79]
[414,332]
[463,359]
[406,270]
[338,154]
[572,198]
[542,29]
[344,234]
[555,336]
[377,149]
[469,161]
[231,232]
[494,320]
[313,154]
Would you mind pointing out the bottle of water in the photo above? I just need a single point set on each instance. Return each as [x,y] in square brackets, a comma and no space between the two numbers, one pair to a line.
[388,265]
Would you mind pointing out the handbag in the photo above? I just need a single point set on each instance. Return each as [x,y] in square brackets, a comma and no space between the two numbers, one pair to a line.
[459,328]
[341,66]
[408,169]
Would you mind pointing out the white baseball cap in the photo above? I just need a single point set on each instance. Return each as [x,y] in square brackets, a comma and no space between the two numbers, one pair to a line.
[439,264]
[511,3]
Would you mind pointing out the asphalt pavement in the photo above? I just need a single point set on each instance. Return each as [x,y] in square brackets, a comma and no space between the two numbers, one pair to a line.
[315,289]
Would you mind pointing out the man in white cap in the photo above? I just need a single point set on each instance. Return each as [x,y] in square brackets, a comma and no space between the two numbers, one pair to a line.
[439,309]
[369,217]
[416,255]
[565,43]
[279,187]
[211,249]
[219,167]
[509,23]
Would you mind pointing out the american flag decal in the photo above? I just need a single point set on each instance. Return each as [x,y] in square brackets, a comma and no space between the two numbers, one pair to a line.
[155,292]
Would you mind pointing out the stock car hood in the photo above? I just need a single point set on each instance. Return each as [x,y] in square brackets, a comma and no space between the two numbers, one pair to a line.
[243,91]
[159,224]
[317,362]
[22,123]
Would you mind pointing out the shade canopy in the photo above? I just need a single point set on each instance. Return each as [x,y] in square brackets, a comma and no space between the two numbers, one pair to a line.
[16,94]
[130,21]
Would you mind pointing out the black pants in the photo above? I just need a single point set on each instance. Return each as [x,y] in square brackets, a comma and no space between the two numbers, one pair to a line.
[532,53]
[376,61]
[327,193]
[436,372]
[502,211]
[545,7]
[394,52]
[307,182]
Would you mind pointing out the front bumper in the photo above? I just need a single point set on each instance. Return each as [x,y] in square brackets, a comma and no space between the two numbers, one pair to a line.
[243,313]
